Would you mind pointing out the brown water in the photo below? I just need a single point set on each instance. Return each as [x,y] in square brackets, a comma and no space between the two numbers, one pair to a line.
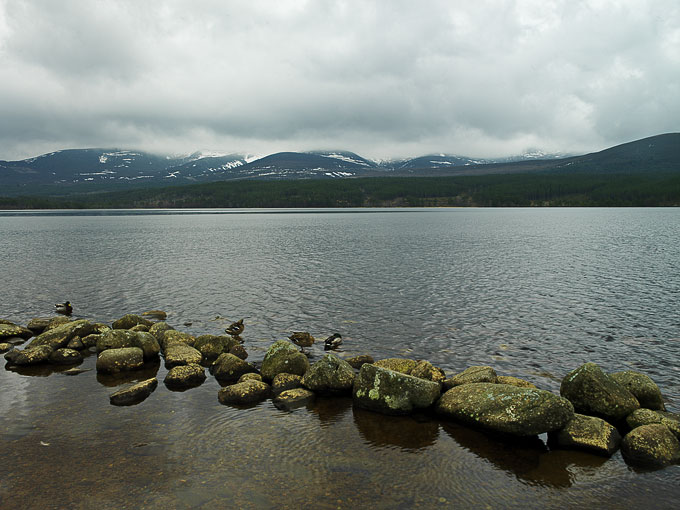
[533,293]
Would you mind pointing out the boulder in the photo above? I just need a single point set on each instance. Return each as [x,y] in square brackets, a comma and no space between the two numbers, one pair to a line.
[134,394]
[57,321]
[248,392]
[283,382]
[172,336]
[357,361]
[425,370]
[229,368]
[250,376]
[239,351]
[90,340]
[62,334]
[140,327]
[155,314]
[177,353]
[65,356]
[39,324]
[506,409]
[6,321]
[11,330]
[158,330]
[386,391]
[4,347]
[595,393]
[587,433]
[651,446]
[148,344]
[113,361]
[401,365]
[514,381]
[120,338]
[642,387]
[329,375]
[130,320]
[185,376]
[473,374]
[290,399]
[211,346]
[76,343]
[644,416]
[29,356]
[283,357]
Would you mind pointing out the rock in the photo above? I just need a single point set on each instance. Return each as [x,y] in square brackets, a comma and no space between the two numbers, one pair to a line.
[386,391]
[90,340]
[99,328]
[134,394]
[247,392]
[250,376]
[595,393]
[514,381]
[211,346]
[642,416]
[473,374]
[10,330]
[5,321]
[283,357]
[76,343]
[61,335]
[39,324]
[4,347]
[506,409]
[185,376]
[228,368]
[65,356]
[293,398]
[113,361]
[120,338]
[155,314]
[178,353]
[29,356]
[140,327]
[425,370]
[329,375]
[651,446]
[158,330]
[239,351]
[130,320]
[587,433]
[172,336]
[642,387]
[283,382]
[401,365]
[56,322]
[148,344]
[357,361]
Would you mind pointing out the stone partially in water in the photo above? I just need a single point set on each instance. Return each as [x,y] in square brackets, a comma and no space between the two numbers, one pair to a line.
[425,370]
[514,381]
[185,376]
[473,374]
[588,433]
[158,330]
[651,446]
[386,391]
[506,409]
[229,368]
[357,361]
[292,399]
[248,392]
[172,336]
[329,375]
[283,357]
[4,347]
[60,336]
[29,356]
[283,382]
[155,314]
[113,361]
[10,330]
[130,320]
[134,394]
[401,365]
[642,387]
[595,393]
[65,357]
[178,353]
[211,346]
[641,417]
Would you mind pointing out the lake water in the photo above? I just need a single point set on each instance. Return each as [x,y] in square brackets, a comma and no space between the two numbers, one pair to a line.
[532,292]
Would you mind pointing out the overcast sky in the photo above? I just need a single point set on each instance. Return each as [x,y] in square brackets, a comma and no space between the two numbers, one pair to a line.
[381,78]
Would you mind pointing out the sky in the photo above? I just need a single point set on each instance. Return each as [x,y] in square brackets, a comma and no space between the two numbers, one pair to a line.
[385,79]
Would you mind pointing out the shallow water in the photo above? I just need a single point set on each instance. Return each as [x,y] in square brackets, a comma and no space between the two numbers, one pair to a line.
[534,293]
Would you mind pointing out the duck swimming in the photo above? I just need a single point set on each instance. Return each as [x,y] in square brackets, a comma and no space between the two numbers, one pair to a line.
[64,308]
[332,342]
[235,328]
[302,339]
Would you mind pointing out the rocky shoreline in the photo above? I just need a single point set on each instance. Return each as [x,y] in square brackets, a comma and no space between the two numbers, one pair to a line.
[595,411]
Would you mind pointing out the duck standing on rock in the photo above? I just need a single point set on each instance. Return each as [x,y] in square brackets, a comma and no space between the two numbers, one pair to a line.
[64,308]
[332,342]
[235,328]
[302,339]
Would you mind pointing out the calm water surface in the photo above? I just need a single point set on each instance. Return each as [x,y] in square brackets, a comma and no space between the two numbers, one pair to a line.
[534,293]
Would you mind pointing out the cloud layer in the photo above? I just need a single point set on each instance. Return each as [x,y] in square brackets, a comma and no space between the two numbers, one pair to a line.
[385,79]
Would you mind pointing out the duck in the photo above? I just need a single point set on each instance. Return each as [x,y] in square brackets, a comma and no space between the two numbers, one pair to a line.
[235,328]
[64,308]
[302,339]
[332,342]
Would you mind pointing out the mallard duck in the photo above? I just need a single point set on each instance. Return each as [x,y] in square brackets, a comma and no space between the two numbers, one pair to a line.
[332,342]
[235,328]
[302,339]
[64,308]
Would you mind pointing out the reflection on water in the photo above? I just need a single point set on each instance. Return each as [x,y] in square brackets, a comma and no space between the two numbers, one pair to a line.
[533,293]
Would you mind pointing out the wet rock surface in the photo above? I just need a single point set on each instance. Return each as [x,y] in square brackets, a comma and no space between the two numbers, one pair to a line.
[651,446]
[247,392]
[283,357]
[329,375]
[185,376]
[113,361]
[134,394]
[588,433]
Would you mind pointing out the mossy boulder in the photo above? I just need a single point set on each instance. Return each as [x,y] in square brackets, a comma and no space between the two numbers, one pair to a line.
[651,446]
[185,376]
[229,368]
[239,351]
[211,346]
[389,392]
[158,330]
[401,365]
[247,392]
[473,374]
[29,356]
[283,357]
[120,338]
[506,409]
[250,376]
[172,336]
[130,320]
[65,356]
[178,353]
[159,315]
[587,433]
[642,416]
[4,347]
[12,330]
[134,394]
[113,361]
[596,394]
[514,381]
[283,382]
[290,399]
[357,361]
[425,370]
[642,387]
[38,324]
[329,375]
[60,335]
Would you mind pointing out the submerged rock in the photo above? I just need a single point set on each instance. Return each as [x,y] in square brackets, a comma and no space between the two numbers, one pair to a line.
[283,357]
[386,391]
[642,387]
[130,320]
[595,393]
[506,409]
[134,394]
[329,375]
[185,376]
[228,368]
[588,433]
[291,399]
[113,361]
[155,314]
[651,446]
[248,392]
